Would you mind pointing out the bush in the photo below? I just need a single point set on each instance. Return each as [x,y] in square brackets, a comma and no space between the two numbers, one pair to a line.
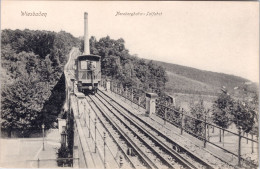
[63,152]
[198,111]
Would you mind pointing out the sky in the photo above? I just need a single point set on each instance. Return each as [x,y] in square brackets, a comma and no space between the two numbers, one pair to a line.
[216,36]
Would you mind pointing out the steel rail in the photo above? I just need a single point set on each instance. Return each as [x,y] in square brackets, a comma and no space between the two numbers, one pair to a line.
[106,128]
[166,138]
[143,157]
[166,162]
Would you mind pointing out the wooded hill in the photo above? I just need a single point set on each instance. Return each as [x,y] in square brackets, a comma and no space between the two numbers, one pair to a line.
[183,79]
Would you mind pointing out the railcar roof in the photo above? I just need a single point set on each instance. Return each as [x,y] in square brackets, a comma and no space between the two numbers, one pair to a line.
[88,57]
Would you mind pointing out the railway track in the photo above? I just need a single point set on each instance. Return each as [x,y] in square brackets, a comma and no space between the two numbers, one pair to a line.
[143,148]
[182,156]
[121,138]
[120,143]
[160,153]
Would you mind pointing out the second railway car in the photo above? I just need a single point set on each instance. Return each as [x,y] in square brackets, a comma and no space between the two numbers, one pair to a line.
[88,73]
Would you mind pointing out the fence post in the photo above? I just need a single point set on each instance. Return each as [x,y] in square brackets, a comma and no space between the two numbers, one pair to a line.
[182,122]
[125,93]
[85,114]
[78,162]
[220,135]
[138,102]
[132,96]
[208,132]
[120,161]
[111,86]
[239,146]
[205,132]
[223,137]
[69,105]
[88,123]
[95,135]
[247,138]
[165,114]
[104,150]
[252,143]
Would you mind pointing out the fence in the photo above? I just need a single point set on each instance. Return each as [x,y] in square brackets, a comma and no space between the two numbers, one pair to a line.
[103,147]
[22,133]
[201,130]
[134,95]
[181,119]
[40,163]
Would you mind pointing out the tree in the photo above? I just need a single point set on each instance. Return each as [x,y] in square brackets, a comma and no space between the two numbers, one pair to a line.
[33,62]
[241,112]
[63,152]
[46,70]
[22,102]
[116,62]
[221,112]
[244,115]
[198,111]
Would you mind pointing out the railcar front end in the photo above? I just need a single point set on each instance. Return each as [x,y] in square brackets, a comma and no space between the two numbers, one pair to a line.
[88,73]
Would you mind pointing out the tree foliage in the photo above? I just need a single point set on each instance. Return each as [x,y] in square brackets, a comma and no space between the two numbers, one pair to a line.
[117,63]
[244,116]
[63,152]
[240,111]
[221,113]
[197,110]
[33,62]
[22,101]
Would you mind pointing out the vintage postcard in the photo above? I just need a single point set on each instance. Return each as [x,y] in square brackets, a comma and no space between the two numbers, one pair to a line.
[129,84]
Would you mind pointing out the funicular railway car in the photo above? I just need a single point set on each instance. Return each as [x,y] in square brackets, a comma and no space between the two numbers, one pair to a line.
[88,73]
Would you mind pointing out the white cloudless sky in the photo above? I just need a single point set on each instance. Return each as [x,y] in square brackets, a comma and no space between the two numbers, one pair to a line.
[216,36]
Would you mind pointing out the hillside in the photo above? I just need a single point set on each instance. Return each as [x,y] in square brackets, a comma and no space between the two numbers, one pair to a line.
[183,79]
[181,84]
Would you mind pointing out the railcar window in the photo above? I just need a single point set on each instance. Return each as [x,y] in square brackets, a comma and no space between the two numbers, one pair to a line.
[83,64]
[92,65]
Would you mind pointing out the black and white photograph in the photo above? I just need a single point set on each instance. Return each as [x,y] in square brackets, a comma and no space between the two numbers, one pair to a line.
[129,84]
